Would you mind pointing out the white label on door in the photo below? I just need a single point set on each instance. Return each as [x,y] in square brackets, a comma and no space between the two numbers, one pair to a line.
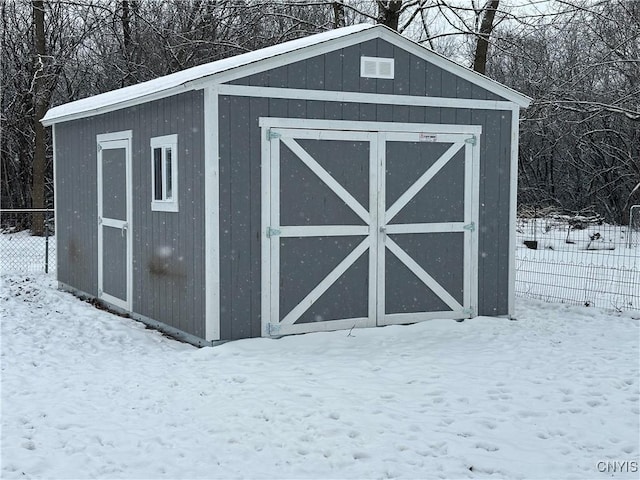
[428,137]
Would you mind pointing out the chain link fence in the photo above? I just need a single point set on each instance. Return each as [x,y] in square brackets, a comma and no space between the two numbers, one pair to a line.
[20,250]
[579,259]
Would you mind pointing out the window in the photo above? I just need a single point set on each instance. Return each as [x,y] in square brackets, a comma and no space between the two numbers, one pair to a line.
[374,67]
[164,173]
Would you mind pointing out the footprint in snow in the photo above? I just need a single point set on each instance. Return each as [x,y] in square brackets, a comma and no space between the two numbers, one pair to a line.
[487,446]
[29,445]
[360,455]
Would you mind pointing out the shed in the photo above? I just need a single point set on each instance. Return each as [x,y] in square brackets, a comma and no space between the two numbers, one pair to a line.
[349,178]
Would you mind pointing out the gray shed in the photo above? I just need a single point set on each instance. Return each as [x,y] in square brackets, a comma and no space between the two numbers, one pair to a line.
[350,178]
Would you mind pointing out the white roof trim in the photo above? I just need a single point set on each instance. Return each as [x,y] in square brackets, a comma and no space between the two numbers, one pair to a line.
[261,60]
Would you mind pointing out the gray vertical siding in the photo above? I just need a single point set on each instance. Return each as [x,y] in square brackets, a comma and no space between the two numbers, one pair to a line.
[167,289]
[340,71]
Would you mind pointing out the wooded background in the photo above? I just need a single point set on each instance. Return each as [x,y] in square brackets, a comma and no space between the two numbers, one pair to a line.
[579,61]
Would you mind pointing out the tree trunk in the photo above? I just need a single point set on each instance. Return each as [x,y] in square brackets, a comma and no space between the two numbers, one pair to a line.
[126,42]
[338,15]
[389,13]
[40,108]
[486,27]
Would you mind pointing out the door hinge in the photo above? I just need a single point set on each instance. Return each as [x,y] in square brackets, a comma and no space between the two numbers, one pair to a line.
[473,140]
[273,329]
[100,292]
[99,220]
[271,135]
[99,147]
[468,311]
[470,226]
[273,232]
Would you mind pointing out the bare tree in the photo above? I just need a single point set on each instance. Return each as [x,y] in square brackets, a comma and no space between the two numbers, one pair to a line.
[488,14]
[40,105]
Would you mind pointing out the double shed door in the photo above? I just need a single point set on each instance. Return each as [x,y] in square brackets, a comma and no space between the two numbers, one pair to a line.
[365,228]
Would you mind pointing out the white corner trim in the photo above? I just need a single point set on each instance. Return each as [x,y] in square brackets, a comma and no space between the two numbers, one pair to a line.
[55,194]
[211,215]
[513,207]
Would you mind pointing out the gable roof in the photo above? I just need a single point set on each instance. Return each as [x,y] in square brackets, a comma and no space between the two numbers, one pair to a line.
[294,50]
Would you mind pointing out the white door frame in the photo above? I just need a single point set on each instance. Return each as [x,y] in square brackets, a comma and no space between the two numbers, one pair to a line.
[377,133]
[107,141]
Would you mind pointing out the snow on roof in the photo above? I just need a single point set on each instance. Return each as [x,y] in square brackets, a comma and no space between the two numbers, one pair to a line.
[174,80]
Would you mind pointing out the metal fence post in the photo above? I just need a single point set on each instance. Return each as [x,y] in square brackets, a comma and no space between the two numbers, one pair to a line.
[46,242]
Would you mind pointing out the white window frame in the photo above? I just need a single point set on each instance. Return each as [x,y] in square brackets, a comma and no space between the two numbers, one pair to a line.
[166,204]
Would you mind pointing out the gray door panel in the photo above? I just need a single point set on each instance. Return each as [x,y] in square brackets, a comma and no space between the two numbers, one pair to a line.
[439,254]
[305,262]
[114,178]
[307,200]
[114,257]
[442,198]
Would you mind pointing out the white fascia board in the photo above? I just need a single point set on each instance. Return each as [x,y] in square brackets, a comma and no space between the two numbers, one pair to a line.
[384,33]
[181,81]
[456,69]
[75,110]
[269,63]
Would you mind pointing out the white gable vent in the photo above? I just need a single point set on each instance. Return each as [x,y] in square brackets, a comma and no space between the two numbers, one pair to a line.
[374,67]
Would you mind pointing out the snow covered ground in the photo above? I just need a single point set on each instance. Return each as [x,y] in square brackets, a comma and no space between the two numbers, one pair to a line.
[86,394]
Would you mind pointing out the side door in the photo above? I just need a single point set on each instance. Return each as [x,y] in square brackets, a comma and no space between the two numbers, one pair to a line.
[114,219]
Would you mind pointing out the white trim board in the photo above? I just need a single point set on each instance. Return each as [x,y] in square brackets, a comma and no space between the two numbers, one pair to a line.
[55,196]
[265,59]
[358,97]
[355,125]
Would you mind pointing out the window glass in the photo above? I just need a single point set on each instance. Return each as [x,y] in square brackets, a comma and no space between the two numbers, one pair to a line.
[157,173]
[168,173]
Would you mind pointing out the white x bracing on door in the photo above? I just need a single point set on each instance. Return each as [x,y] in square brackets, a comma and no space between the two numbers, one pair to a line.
[369,224]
